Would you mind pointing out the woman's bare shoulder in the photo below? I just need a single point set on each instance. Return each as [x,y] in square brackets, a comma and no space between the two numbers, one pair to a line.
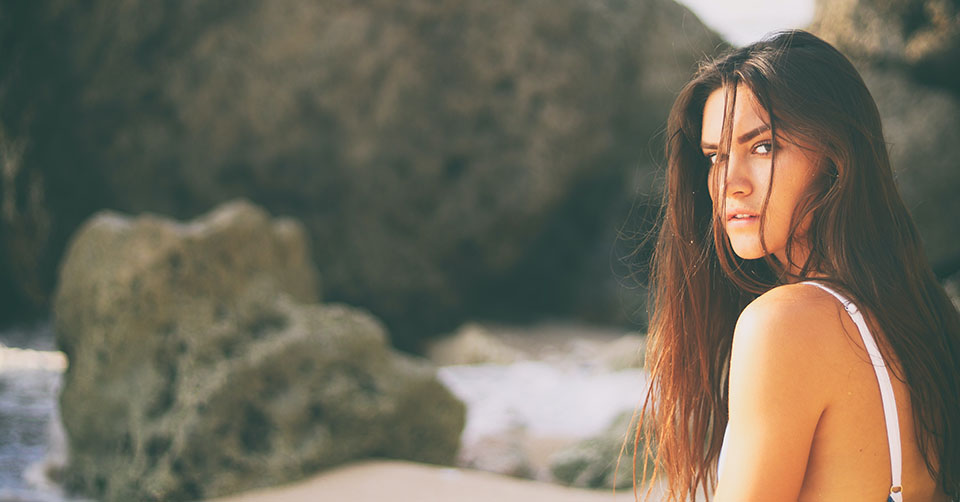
[787,343]
[793,308]
[797,325]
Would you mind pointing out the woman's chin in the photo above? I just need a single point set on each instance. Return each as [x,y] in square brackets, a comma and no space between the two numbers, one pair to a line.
[748,252]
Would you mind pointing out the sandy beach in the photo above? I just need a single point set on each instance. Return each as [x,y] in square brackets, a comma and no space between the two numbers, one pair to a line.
[401,481]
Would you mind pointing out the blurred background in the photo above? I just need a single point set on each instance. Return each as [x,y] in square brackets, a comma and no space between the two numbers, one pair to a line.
[449,162]
[443,168]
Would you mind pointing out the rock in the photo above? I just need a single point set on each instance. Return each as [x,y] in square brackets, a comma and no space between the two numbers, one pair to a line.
[922,127]
[25,227]
[923,35]
[472,344]
[562,344]
[593,463]
[503,454]
[454,158]
[46,191]
[952,287]
[906,51]
[200,364]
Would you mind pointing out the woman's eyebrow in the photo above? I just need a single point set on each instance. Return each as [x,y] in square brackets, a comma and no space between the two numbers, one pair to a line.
[747,136]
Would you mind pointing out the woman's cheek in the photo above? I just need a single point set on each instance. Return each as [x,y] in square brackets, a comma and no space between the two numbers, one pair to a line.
[713,183]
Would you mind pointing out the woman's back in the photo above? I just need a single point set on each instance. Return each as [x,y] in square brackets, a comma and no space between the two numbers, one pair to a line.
[849,456]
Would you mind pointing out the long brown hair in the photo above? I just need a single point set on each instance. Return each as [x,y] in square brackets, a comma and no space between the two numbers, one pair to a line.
[860,237]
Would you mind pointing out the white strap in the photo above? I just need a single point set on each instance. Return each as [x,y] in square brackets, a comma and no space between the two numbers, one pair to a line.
[886,391]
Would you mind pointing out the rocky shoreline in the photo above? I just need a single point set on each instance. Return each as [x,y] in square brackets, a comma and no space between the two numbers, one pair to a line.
[524,416]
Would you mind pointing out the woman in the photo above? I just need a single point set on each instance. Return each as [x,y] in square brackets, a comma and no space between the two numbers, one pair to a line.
[785,253]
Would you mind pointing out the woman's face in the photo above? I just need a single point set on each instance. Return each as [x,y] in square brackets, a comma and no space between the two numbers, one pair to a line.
[749,177]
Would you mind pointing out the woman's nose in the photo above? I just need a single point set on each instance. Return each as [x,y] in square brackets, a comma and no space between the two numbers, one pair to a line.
[738,183]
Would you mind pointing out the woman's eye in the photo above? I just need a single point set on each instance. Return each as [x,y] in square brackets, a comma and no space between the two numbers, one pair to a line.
[763,147]
[711,158]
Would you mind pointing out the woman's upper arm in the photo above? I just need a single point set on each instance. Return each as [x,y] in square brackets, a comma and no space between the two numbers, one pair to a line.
[778,390]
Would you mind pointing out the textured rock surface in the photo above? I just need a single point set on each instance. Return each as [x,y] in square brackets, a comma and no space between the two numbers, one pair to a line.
[201,365]
[922,127]
[907,52]
[450,156]
[472,344]
[923,35]
[565,344]
[507,454]
[592,463]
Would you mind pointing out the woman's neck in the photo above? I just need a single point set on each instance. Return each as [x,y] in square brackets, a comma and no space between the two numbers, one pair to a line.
[793,268]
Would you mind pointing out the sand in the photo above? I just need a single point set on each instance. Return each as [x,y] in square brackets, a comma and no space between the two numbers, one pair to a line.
[401,481]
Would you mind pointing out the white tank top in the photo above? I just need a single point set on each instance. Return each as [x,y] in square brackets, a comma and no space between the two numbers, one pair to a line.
[886,395]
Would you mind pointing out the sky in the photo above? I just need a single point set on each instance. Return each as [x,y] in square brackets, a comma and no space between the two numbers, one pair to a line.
[743,21]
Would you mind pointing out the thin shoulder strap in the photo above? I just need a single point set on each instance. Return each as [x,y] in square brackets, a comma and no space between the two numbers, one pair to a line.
[886,391]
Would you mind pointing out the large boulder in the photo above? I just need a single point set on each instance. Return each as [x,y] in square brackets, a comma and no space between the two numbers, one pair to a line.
[200,363]
[922,127]
[907,51]
[454,158]
[921,35]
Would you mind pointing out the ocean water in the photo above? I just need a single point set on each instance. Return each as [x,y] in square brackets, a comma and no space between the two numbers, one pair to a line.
[31,438]
[544,399]
[562,397]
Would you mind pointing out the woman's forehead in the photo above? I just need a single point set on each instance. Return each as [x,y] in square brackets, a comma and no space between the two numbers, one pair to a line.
[748,114]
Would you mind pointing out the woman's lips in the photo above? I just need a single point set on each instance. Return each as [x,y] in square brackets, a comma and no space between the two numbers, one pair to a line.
[741,218]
